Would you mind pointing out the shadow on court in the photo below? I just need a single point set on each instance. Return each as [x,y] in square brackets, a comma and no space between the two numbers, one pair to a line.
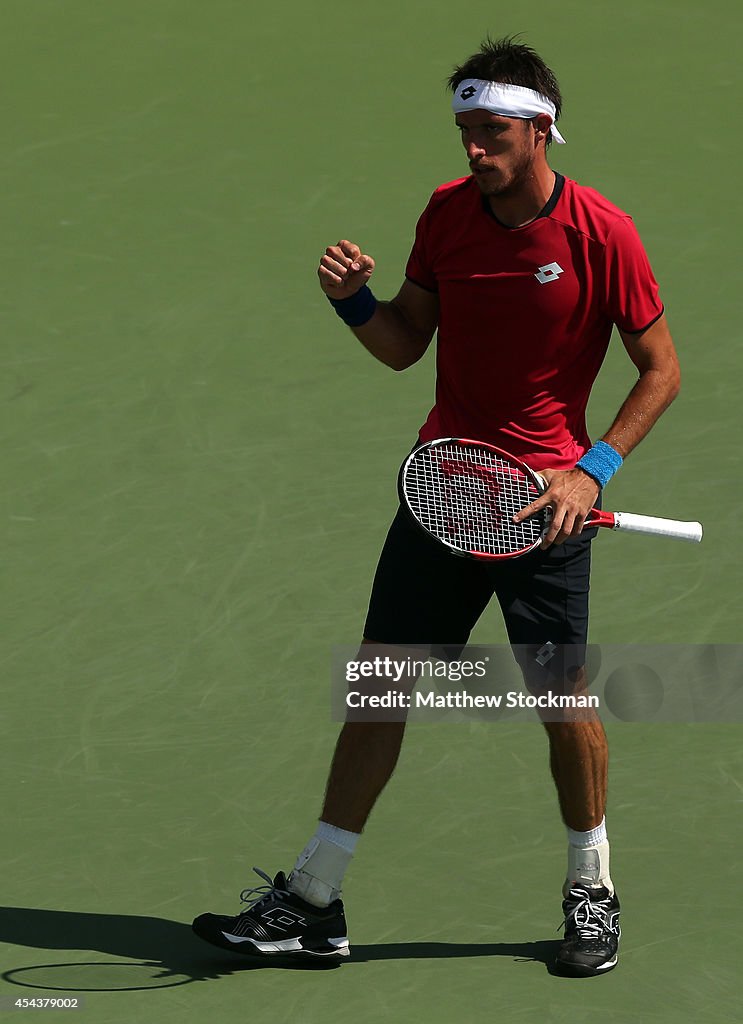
[526,952]
[162,953]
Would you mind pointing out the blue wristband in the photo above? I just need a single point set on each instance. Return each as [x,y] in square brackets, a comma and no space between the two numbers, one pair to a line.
[601,462]
[357,309]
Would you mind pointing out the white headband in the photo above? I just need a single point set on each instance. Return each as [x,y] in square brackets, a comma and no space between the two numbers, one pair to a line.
[508,100]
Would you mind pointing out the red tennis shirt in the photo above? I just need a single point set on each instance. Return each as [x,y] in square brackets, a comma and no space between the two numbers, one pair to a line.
[526,315]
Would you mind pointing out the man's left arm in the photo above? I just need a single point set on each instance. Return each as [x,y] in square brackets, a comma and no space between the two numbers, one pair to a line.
[572,493]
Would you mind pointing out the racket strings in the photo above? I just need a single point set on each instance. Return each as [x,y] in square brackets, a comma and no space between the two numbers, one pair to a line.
[466,497]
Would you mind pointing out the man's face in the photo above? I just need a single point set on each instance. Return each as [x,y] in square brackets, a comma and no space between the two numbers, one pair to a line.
[500,150]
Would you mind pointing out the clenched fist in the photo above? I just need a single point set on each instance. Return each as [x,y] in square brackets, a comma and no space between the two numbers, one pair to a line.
[344,269]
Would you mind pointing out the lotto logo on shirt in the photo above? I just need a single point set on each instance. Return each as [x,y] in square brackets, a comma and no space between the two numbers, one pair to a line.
[549,272]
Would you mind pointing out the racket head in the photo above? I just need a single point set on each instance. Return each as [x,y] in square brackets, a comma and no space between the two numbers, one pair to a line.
[464,493]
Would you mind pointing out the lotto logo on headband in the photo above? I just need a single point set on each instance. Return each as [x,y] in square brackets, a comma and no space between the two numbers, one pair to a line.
[508,100]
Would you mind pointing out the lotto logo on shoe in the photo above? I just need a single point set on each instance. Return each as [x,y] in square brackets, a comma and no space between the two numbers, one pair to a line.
[282,919]
[549,272]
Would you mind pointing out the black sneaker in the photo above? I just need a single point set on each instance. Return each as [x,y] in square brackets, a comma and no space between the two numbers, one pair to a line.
[591,931]
[278,923]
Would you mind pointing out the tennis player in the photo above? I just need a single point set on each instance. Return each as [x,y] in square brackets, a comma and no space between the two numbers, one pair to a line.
[523,273]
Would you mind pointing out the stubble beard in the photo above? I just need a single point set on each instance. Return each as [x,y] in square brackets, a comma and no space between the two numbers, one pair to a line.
[517,177]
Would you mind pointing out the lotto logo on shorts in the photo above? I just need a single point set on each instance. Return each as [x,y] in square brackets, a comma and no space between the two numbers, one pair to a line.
[549,272]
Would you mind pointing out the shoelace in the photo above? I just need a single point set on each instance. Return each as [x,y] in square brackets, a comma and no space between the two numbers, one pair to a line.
[591,917]
[259,893]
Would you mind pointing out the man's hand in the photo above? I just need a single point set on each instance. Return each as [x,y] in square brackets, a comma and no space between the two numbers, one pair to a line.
[571,494]
[344,269]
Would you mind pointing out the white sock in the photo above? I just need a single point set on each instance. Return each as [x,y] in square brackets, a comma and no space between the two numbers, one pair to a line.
[588,859]
[318,873]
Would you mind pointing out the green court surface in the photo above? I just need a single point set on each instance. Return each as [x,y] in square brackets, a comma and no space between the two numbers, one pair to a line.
[189,529]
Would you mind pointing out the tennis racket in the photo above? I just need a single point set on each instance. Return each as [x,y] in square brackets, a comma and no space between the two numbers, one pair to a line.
[465,493]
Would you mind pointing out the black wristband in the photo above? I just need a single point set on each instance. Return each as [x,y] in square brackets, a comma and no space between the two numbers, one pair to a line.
[357,309]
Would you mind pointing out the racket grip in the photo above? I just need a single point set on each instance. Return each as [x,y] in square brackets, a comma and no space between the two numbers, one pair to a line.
[659,527]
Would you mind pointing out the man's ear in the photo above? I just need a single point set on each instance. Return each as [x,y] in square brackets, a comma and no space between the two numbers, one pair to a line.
[542,124]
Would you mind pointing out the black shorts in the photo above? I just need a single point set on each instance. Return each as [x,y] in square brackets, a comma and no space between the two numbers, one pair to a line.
[423,595]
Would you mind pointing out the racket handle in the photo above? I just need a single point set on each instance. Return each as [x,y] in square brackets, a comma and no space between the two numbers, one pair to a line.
[660,527]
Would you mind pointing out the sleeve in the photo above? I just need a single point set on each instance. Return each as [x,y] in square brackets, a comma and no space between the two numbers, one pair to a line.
[631,291]
[419,269]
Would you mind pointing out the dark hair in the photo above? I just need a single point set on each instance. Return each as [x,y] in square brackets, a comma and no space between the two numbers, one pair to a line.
[512,63]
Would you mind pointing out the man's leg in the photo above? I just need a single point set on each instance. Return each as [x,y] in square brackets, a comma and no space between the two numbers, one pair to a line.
[545,605]
[579,759]
[365,757]
[421,595]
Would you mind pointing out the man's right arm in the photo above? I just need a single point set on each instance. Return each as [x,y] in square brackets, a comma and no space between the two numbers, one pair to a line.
[400,331]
